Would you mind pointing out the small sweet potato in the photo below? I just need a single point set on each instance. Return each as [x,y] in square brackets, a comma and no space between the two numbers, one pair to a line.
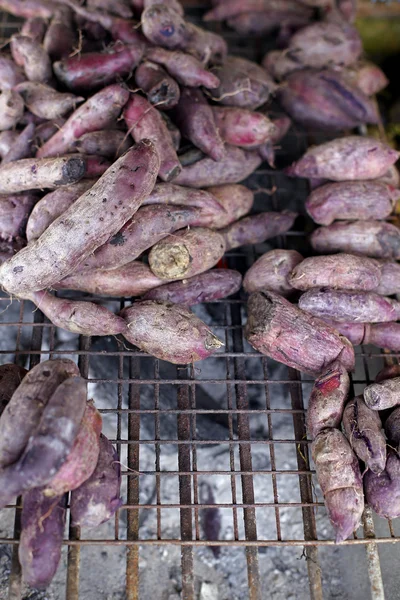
[32,57]
[10,73]
[384,335]
[35,28]
[160,88]
[42,532]
[110,143]
[271,272]
[236,165]
[369,78]
[169,332]
[10,377]
[145,122]
[279,329]
[279,64]
[186,253]
[390,278]
[46,130]
[133,279]
[96,500]
[23,145]
[337,271]
[392,425]
[11,109]
[256,229]
[44,101]
[377,239]
[236,200]
[391,177]
[179,195]
[351,200]
[7,140]
[346,159]
[339,476]
[243,127]
[354,332]
[60,39]
[14,213]
[186,69]
[206,287]
[327,399]
[231,8]
[382,395]
[363,428]
[382,491]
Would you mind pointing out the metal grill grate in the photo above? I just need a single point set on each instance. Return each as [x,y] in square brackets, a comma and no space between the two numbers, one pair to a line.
[165,420]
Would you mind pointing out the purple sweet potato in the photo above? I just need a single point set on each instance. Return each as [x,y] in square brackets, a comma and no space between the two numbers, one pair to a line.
[326,100]
[279,329]
[327,399]
[24,411]
[382,395]
[133,279]
[186,253]
[271,272]
[391,177]
[46,130]
[186,69]
[44,101]
[96,166]
[82,459]
[354,332]
[14,213]
[145,122]
[243,127]
[369,78]
[98,214]
[99,112]
[52,205]
[96,500]
[236,200]
[339,476]
[169,332]
[236,165]
[382,491]
[94,69]
[120,8]
[28,8]
[35,28]
[338,272]
[147,227]
[9,248]
[160,88]
[363,428]
[256,229]
[206,287]
[390,278]
[174,4]
[85,318]
[10,377]
[279,64]
[388,372]
[392,424]
[206,201]
[324,44]
[384,335]
[111,143]
[7,139]
[346,159]
[32,57]
[267,151]
[60,38]
[195,119]
[173,131]
[242,83]
[266,22]
[11,109]
[10,73]
[33,173]
[377,239]
[42,532]
[351,200]
[231,8]
[23,145]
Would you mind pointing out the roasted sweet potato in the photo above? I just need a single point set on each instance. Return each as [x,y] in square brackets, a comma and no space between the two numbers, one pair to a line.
[44,101]
[160,88]
[287,334]
[327,399]
[10,377]
[11,109]
[340,479]
[169,332]
[382,491]
[236,200]
[271,272]
[257,228]
[14,213]
[382,395]
[32,57]
[186,69]
[178,195]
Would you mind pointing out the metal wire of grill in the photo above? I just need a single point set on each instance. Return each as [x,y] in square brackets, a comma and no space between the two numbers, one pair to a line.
[247,399]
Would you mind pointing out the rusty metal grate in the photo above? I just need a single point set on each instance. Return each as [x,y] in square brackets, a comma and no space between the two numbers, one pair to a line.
[254,394]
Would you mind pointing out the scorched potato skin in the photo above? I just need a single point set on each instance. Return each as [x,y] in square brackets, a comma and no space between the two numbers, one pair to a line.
[327,399]
[382,395]
[257,228]
[11,376]
[382,492]
[278,329]
[271,272]
[87,224]
[339,476]
[169,332]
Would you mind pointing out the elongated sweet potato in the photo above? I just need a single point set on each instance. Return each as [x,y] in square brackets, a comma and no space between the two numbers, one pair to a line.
[11,109]
[363,428]
[327,399]
[60,38]
[186,69]
[169,332]
[111,143]
[99,112]
[145,122]
[186,253]
[257,228]
[96,500]
[351,200]
[346,159]
[340,479]
[86,225]
[206,287]
[390,278]
[236,200]
[23,146]
[44,101]
[369,78]
[236,165]
[120,8]
[382,395]
[10,377]
[10,73]
[195,119]
[243,127]
[206,201]
[133,279]
[14,213]
[266,22]
[383,335]
[232,8]
[338,271]
[28,8]
[46,130]
[160,88]
[32,57]
[42,532]
[371,238]
[382,491]
[287,334]
[271,272]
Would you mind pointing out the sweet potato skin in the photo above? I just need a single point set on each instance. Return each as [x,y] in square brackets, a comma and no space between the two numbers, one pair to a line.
[169,332]
[7,139]
[327,400]
[271,272]
[160,88]
[392,425]
[23,146]
[186,253]
[10,377]
[206,201]
[236,201]
[10,73]
[382,395]
[14,214]
[44,101]
[30,55]
[388,372]
[382,492]
[390,278]
[60,38]
[287,334]
[110,143]
[12,109]
[340,479]
[257,228]
[243,127]
[186,69]
[368,77]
